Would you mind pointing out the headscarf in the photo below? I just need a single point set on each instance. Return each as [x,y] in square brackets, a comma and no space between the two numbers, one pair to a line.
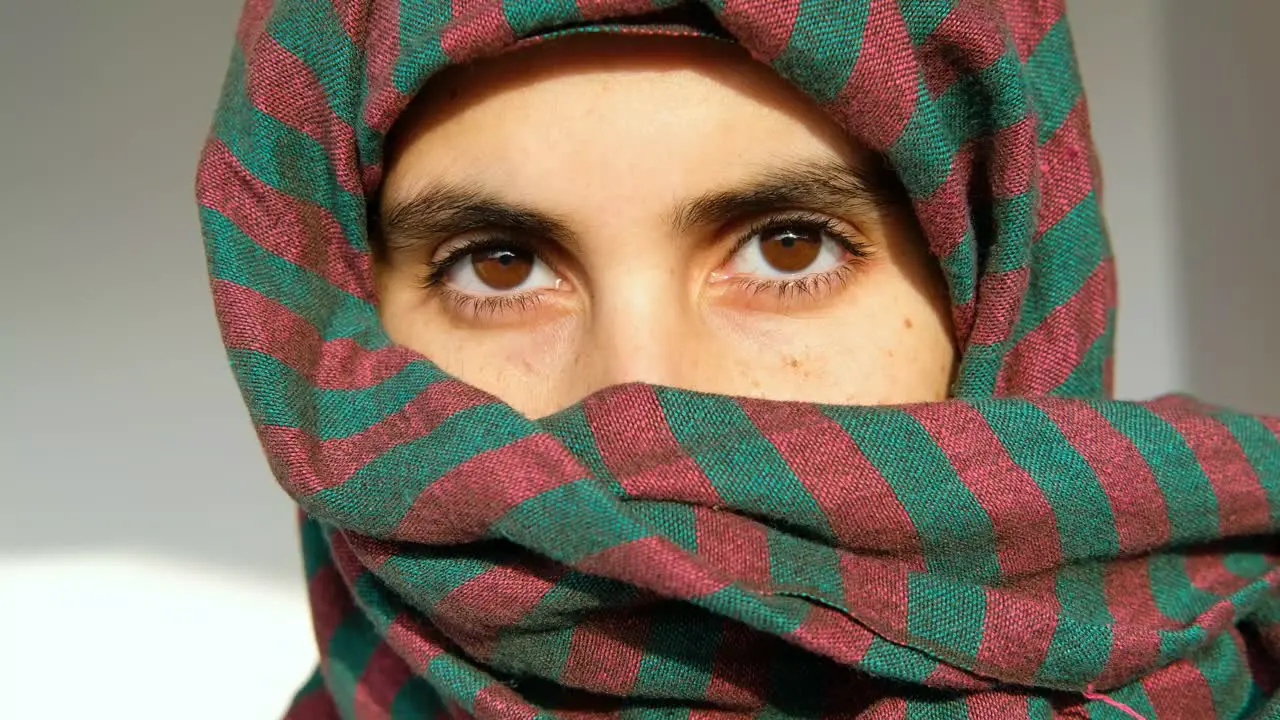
[1030,548]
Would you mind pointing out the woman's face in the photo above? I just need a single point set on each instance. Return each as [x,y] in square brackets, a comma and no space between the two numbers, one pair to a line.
[599,210]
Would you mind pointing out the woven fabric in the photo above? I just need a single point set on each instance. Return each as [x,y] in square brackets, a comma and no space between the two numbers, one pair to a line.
[1029,548]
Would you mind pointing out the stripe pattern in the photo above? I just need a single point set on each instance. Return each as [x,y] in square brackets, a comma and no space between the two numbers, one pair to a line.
[1028,549]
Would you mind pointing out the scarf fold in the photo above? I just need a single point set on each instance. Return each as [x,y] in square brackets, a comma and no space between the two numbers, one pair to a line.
[1030,548]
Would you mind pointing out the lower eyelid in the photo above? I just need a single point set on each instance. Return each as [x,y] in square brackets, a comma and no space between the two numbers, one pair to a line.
[487,306]
[816,286]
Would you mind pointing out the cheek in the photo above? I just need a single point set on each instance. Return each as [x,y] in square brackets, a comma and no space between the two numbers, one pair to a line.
[905,343]
[913,351]
[524,369]
[887,342]
[867,372]
[887,345]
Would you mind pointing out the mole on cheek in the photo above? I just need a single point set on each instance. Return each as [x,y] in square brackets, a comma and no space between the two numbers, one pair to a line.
[906,323]
[794,363]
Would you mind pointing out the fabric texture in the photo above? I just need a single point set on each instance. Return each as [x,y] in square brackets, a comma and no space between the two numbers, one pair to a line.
[1030,548]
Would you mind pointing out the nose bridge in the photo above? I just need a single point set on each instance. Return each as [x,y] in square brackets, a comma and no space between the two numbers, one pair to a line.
[639,329]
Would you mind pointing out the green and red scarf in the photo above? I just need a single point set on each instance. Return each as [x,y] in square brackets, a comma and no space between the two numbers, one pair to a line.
[1029,549]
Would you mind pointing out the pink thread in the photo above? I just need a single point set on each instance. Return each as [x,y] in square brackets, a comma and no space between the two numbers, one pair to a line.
[1091,695]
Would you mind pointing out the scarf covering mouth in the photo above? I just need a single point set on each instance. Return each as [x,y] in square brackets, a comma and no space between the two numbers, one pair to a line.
[1030,548]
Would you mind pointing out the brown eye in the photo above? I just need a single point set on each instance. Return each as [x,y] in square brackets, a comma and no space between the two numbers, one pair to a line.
[790,250]
[502,268]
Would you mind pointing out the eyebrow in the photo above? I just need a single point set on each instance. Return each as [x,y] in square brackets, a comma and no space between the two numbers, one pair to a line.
[829,186]
[444,211]
[438,213]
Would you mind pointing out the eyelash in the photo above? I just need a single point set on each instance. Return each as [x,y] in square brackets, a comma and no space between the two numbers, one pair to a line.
[480,307]
[807,286]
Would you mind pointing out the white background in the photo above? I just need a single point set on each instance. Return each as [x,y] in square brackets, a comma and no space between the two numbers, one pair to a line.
[148,565]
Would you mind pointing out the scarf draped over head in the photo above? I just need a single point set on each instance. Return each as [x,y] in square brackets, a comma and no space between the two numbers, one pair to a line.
[1030,548]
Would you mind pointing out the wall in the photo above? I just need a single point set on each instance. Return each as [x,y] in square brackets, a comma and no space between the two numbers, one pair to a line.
[1121,49]
[139,527]
[1184,104]
[1225,111]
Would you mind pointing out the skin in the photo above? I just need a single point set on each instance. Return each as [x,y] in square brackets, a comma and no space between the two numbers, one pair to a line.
[610,172]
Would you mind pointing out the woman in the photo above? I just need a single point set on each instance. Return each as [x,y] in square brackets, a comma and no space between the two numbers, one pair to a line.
[767,392]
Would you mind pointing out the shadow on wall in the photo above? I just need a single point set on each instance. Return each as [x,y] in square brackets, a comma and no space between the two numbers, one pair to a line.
[1225,113]
[123,434]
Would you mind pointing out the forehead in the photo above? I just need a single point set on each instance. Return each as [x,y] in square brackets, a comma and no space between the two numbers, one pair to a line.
[597,118]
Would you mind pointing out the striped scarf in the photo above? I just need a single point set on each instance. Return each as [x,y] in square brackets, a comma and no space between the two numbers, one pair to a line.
[1029,548]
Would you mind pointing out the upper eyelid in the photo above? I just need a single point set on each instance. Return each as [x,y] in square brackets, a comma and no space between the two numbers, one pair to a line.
[454,247]
[854,239]
[550,251]
[439,264]
[545,250]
